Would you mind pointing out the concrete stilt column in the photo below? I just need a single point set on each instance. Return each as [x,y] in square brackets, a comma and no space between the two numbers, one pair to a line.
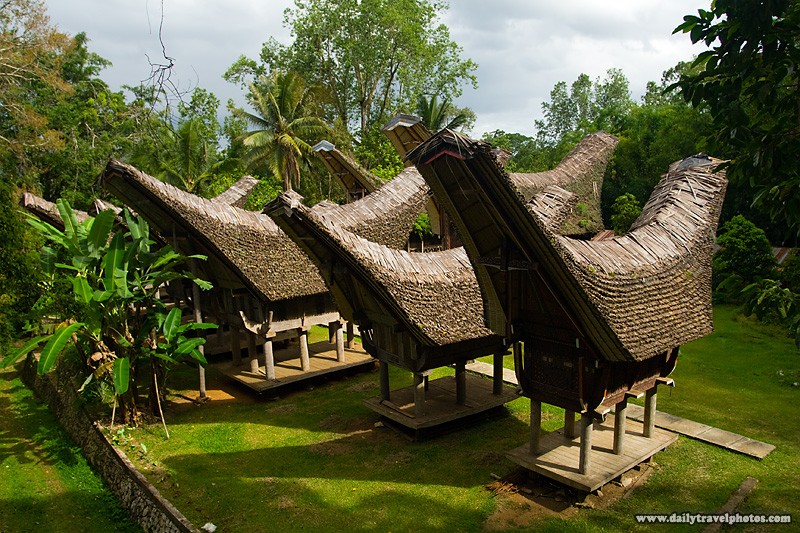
[419,394]
[620,419]
[339,343]
[536,425]
[587,424]
[569,424]
[497,373]
[650,399]
[461,383]
[269,360]
[350,335]
[305,363]
[383,370]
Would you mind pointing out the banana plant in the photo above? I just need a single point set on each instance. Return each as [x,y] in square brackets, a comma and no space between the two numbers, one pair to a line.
[116,274]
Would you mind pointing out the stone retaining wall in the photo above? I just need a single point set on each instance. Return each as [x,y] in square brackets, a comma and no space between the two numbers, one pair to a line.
[144,503]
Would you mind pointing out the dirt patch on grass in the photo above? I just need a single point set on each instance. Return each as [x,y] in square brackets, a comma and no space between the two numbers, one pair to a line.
[331,448]
[364,386]
[522,500]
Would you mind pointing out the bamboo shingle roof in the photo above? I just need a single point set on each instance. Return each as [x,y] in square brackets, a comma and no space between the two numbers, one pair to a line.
[236,195]
[434,295]
[47,211]
[633,296]
[349,172]
[384,216]
[244,248]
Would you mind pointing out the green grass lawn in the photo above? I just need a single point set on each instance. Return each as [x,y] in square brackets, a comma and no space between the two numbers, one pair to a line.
[314,460]
[45,482]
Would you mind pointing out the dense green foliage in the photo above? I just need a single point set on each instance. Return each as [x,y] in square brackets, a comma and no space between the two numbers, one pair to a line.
[117,318]
[750,81]
[745,252]
[624,212]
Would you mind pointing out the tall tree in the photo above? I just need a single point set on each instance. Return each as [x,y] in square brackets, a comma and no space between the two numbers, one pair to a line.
[373,57]
[286,125]
[437,115]
[750,80]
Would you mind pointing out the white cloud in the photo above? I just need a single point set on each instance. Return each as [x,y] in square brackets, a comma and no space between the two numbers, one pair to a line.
[522,47]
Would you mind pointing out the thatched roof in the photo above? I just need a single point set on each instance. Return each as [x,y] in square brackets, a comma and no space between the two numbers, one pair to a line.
[244,249]
[434,295]
[349,172]
[581,173]
[406,132]
[236,195]
[47,211]
[632,297]
[385,216]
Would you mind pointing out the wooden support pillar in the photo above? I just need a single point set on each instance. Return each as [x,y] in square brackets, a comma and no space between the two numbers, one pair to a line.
[620,418]
[419,394]
[569,424]
[198,317]
[536,426]
[461,383]
[383,370]
[339,334]
[252,351]
[236,345]
[587,424]
[305,364]
[650,398]
[350,335]
[269,360]
[425,381]
[497,374]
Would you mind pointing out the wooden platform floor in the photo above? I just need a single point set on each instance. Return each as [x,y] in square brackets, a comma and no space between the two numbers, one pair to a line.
[559,457]
[440,402]
[322,359]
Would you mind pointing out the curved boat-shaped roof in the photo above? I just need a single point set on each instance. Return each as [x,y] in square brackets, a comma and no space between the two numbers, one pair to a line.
[349,172]
[434,295]
[581,173]
[244,248]
[632,297]
[236,195]
[385,216]
[47,211]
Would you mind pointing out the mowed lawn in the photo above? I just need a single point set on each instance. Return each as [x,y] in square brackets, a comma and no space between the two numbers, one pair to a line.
[314,460]
[45,482]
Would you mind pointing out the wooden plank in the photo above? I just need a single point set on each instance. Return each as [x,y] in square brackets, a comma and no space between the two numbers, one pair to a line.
[559,457]
[440,402]
[288,369]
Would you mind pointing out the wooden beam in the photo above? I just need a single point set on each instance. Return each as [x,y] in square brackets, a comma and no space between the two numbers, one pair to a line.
[497,373]
[198,317]
[350,334]
[236,345]
[461,383]
[252,351]
[569,424]
[383,369]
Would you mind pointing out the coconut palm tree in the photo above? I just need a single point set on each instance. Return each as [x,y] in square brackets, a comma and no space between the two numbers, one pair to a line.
[285,126]
[437,116]
[190,161]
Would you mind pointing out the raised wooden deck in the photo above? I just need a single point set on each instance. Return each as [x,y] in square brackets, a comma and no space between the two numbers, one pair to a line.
[440,402]
[558,456]
[322,358]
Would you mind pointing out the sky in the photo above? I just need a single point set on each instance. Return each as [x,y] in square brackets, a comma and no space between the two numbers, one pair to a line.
[522,47]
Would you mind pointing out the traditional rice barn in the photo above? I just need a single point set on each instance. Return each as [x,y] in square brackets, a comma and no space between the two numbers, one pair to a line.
[356,180]
[418,311]
[601,321]
[263,283]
